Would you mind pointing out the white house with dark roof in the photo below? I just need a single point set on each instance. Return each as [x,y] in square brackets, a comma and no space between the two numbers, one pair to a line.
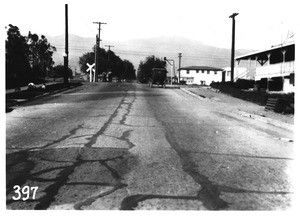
[201,75]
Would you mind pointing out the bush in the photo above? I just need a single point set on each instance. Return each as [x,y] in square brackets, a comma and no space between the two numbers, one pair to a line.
[234,89]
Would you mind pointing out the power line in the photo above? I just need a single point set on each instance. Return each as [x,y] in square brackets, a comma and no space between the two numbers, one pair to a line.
[145,53]
[140,53]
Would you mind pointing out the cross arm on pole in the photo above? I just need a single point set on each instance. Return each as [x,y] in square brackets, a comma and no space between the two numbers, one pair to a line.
[233,15]
[109,46]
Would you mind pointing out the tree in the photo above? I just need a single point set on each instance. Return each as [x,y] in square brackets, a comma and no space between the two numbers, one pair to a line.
[108,61]
[40,55]
[59,70]
[16,50]
[103,61]
[128,71]
[28,59]
[145,68]
[88,57]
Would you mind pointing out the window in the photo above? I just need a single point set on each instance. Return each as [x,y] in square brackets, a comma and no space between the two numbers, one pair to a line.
[216,72]
[202,71]
[187,71]
[197,71]
[207,72]
[228,73]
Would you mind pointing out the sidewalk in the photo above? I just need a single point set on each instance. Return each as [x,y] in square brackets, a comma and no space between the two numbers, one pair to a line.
[15,98]
[26,87]
[241,107]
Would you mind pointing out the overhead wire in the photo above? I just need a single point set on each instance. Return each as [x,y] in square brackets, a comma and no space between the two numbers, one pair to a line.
[140,53]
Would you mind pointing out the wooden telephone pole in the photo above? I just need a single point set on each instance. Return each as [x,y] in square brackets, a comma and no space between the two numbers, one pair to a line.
[66,54]
[98,39]
[109,46]
[232,44]
[179,65]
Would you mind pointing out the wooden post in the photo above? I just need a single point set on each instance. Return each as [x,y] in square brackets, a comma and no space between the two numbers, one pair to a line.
[233,44]
[66,54]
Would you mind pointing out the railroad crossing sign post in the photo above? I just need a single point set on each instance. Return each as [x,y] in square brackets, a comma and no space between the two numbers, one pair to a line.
[172,67]
[91,70]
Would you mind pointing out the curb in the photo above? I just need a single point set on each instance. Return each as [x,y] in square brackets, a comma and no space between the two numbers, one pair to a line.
[266,120]
[193,94]
[12,90]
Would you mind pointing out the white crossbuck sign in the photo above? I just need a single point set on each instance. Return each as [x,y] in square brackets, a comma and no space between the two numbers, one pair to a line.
[91,70]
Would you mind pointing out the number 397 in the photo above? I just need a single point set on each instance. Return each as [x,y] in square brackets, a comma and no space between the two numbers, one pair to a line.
[25,191]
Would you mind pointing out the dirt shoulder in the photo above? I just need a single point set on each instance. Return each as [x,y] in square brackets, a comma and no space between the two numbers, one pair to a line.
[242,107]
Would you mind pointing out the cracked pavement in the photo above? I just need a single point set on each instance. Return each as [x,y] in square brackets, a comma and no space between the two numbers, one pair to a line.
[112,146]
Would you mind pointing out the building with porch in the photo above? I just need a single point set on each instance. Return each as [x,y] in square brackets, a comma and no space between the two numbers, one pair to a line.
[272,69]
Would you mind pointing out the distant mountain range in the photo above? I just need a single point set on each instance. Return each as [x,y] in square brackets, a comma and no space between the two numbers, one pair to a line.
[194,53]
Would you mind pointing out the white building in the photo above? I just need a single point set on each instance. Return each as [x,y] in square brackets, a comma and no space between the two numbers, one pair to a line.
[201,75]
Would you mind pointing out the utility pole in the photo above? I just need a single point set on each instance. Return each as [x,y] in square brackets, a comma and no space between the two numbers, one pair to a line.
[232,44]
[66,54]
[96,58]
[179,65]
[109,46]
[172,67]
[98,39]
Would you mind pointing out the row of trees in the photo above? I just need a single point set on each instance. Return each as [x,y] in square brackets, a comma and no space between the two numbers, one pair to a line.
[145,68]
[28,58]
[109,62]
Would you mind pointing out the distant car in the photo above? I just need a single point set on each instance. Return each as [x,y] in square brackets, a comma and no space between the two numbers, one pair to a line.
[158,77]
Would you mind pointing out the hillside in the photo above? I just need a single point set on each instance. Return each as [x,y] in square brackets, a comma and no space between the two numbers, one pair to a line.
[193,52]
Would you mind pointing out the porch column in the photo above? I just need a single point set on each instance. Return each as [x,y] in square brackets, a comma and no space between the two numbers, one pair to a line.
[257,83]
[236,76]
[249,72]
[256,58]
[283,60]
[283,51]
[269,55]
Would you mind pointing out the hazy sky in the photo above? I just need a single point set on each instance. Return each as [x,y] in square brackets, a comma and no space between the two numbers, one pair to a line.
[259,25]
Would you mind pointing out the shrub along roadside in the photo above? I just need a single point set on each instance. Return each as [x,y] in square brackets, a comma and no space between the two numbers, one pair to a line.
[260,98]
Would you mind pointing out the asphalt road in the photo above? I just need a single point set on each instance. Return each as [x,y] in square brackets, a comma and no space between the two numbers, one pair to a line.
[107,146]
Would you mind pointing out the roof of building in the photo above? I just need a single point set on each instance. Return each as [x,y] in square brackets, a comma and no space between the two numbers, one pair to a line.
[201,68]
[263,52]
